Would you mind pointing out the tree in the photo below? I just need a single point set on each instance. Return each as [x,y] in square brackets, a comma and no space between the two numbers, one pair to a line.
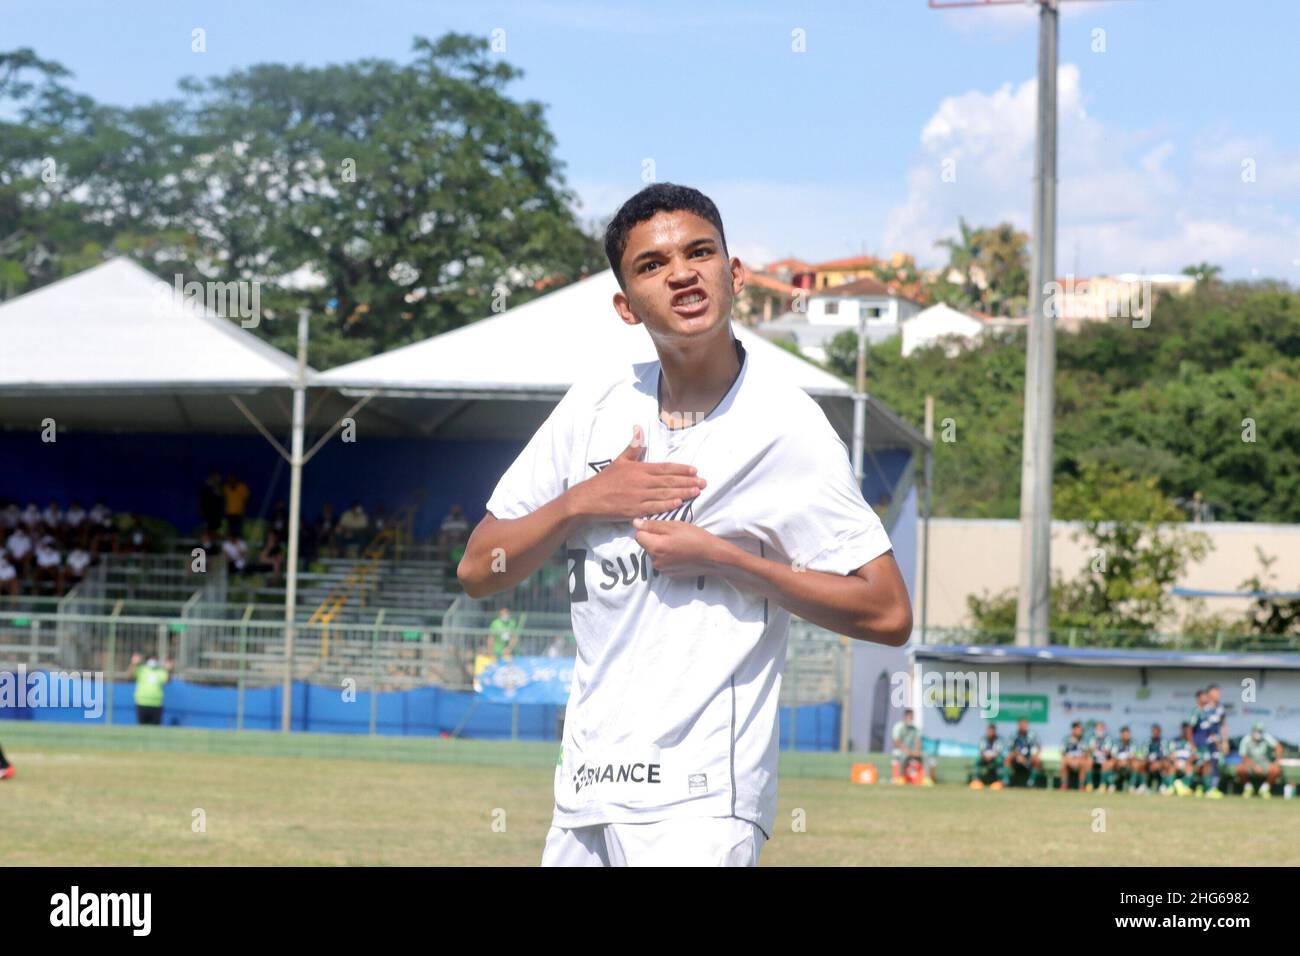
[993,263]
[394,201]
[1137,551]
[1203,273]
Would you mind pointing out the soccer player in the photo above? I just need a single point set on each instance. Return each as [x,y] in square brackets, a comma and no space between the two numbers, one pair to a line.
[1126,759]
[1182,762]
[6,768]
[702,499]
[1213,726]
[1155,763]
[907,747]
[1261,762]
[989,761]
[1102,751]
[1076,757]
[1023,755]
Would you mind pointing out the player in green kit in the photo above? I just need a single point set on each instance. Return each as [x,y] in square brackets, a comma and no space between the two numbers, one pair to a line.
[1023,756]
[988,763]
[1182,762]
[1075,757]
[1126,759]
[1155,763]
[1101,749]
[1261,763]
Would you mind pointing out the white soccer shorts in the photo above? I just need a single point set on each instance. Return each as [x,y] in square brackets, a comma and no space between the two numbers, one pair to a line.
[687,841]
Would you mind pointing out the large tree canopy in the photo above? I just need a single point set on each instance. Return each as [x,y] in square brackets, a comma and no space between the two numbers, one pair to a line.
[395,201]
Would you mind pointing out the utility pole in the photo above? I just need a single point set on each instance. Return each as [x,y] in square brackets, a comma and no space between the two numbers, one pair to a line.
[1033,611]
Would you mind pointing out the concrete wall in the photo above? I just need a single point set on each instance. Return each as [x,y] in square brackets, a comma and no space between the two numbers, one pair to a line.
[971,556]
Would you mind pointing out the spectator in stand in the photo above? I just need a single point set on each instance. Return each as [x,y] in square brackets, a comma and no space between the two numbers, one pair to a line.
[19,546]
[272,556]
[323,531]
[77,563]
[30,517]
[279,522]
[452,538]
[53,517]
[236,494]
[212,503]
[74,520]
[381,519]
[235,548]
[49,563]
[353,525]
[9,518]
[8,575]
[503,636]
[138,540]
[103,534]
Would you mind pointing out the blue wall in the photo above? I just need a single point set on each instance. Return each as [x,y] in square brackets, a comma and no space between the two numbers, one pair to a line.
[160,475]
[425,712]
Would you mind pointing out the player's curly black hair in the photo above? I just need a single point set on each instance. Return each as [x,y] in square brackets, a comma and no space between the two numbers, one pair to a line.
[656,198]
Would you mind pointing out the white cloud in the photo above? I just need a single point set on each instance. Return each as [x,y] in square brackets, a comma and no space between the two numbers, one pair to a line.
[1124,201]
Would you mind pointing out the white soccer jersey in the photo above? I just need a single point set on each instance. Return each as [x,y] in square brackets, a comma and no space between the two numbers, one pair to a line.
[673,707]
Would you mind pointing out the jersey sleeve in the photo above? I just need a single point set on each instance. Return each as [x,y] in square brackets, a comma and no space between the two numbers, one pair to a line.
[541,472]
[818,518]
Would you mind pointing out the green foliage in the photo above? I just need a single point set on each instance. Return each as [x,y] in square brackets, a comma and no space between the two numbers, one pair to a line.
[993,263]
[420,194]
[1136,552]
[1172,401]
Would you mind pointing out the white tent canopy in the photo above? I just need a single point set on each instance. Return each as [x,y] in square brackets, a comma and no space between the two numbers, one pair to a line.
[117,326]
[113,348]
[537,350]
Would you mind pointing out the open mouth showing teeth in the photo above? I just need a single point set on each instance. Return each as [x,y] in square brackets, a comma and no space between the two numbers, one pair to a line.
[686,301]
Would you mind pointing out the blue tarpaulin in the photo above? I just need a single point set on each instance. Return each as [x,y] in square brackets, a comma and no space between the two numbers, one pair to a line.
[425,711]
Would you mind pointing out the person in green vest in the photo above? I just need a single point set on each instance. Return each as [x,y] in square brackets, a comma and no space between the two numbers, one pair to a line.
[503,636]
[150,678]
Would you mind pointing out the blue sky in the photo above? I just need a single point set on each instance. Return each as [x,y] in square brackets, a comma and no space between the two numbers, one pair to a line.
[1180,124]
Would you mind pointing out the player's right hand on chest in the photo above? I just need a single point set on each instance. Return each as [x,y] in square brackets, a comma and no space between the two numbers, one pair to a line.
[631,488]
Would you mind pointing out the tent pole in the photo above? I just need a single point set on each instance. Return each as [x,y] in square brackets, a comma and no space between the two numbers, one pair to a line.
[860,400]
[295,521]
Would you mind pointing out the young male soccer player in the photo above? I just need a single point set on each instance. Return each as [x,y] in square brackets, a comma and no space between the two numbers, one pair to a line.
[1102,751]
[1155,763]
[1075,757]
[1023,756]
[702,499]
[1182,762]
[1126,759]
[989,761]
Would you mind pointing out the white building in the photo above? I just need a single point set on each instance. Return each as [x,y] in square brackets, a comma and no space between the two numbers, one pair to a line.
[828,312]
[941,323]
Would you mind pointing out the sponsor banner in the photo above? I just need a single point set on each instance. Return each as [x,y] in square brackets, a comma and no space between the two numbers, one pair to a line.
[1032,707]
[526,680]
[1117,696]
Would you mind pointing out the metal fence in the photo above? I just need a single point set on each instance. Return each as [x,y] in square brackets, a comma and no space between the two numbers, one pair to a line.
[1219,641]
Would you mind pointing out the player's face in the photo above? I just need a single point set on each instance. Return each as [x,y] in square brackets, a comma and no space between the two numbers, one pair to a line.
[680,284]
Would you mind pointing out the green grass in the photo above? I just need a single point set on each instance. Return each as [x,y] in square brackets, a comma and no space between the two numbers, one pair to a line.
[127,796]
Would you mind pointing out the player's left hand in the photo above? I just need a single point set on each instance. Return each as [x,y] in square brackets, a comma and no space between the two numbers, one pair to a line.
[678,547]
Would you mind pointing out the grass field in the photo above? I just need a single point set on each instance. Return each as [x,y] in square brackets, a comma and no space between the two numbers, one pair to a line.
[128,796]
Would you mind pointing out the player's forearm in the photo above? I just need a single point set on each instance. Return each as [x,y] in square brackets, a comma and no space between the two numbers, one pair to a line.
[502,553]
[843,603]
